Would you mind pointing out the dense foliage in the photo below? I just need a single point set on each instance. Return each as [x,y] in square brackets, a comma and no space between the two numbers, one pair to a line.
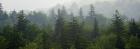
[64,30]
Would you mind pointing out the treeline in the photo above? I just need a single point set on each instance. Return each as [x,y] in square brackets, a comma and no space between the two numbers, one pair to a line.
[67,31]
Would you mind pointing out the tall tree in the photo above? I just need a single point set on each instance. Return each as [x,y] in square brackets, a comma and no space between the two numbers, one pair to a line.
[13,16]
[64,11]
[96,28]
[92,11]
[118,25]
[81,16]
[81,13]
[118,29]
[1,8]
[15,38]
[52,17]
[74,32]
[134,28]
[59,27]
[3,16]
[22,24]
[95,31]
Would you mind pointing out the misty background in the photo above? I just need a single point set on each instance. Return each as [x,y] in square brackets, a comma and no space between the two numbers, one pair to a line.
[129,8]
[69,24]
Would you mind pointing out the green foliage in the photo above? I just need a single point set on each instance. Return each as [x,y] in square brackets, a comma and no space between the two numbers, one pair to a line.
[15,38]
[134,28]
[66,31]
[133,43]
[3,42]
[105,42]
[118,24]
[31,45]
[118,29]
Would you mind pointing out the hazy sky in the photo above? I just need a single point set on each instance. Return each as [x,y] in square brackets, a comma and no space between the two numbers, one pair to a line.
[40,4]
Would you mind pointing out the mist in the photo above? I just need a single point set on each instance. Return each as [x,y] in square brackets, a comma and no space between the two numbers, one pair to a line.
[69,24]
[130,8]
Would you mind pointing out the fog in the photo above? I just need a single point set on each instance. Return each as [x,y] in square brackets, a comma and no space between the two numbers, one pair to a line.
[39,4]
[129,8]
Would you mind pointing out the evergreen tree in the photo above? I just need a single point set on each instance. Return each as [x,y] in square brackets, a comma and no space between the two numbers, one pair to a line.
[95,30]
[64,12]
[22,25]
[117,22]
[59,29]
[3,16]
[59,25]
[15,38]
[1,8]
[81,13]
[74,32]
[134,28]
[74,37]
[81,17]
[118,29]
[52,17]
[13,17]
[22,22]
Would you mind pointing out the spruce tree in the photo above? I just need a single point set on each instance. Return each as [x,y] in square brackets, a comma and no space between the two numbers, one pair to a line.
[118,29]
[118,24]
[59,25]
[81,17]
[74,32]
[22,25]
[13,16]
[96,28]
[134,28]
[15,38]
[22,22]
[95,31]
[1,8]
[59,29]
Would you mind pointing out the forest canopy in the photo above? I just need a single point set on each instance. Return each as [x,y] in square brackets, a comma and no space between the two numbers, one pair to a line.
[63,29]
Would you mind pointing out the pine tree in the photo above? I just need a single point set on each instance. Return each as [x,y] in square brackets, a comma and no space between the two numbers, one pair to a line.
[81,17]
[118,26]
[96,28]
[22,25]
[22,22]
[74,37]
[74,32]
[95,31]
[52,17]
[1,8]
[134,28]
[118,29]
[59,29]
[15,38]
[3,16]
[81,14]
[13,16]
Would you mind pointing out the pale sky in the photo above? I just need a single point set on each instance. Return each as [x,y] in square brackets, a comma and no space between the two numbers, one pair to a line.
[40,4]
